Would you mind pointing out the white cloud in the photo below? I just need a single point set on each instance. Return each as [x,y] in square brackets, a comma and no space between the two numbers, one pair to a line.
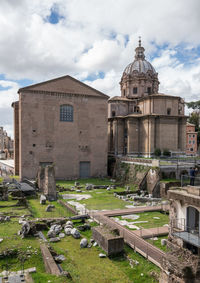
[92,37]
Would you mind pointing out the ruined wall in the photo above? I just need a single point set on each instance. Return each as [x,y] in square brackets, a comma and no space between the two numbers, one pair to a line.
[130,173]
[153,178]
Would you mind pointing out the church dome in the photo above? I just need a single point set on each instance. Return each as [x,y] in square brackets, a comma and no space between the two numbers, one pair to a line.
[142,66]
[139,64]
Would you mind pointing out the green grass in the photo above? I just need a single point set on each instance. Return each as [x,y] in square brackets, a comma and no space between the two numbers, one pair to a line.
[38,210]
[85,265]
[8,231]
[157,243]
[15,211]
[100,198]
[94,181]
[148,216]
[104,200]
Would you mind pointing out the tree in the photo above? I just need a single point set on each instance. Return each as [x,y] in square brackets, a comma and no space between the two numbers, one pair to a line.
[195,105]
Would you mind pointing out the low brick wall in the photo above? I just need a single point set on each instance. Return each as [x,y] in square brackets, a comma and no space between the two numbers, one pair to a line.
[50,265]
[107,240]
[65,204]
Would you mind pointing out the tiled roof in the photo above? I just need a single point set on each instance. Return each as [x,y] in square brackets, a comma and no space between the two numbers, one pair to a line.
[66,84]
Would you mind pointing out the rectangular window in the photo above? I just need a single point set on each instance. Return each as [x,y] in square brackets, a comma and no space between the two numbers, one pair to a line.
[134,90]
[149,90]
[168,111]
[193,142]
[66,113]
[189,142]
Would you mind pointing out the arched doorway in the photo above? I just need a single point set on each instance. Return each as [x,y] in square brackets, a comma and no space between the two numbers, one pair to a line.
[192,220]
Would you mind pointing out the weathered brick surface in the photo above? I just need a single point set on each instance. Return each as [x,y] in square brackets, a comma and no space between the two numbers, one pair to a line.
[50,265]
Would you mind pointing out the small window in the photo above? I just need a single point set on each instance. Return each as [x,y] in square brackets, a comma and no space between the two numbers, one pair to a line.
[193,136]
[134,90]
[113,113]
[193,142]
[34,145]
[124,92]
[149,90]
[191,149]
[189,142]
[168,111]
[66,113]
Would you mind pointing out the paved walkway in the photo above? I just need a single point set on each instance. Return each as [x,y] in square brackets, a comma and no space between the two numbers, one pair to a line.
[133,210]
[152,232]
[135,238]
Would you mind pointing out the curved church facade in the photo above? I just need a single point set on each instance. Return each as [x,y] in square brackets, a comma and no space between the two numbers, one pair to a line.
[142,119]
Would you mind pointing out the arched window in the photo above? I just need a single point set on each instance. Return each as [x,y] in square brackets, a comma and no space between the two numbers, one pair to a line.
[66,113]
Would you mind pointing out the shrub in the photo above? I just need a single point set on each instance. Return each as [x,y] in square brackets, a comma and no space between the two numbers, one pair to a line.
[157,152]
[166,152]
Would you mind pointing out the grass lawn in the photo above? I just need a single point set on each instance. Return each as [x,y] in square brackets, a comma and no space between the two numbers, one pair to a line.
[38,210]
[94,181]
[101,198]
[157,243]
[16,210]
[8,231]
[85,265]
[148,216]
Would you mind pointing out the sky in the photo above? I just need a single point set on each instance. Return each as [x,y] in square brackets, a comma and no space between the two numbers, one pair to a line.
[93,41]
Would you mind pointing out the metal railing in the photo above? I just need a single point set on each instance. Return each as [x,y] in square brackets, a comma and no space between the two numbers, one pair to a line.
[189,180]
[188,233]
[146,249]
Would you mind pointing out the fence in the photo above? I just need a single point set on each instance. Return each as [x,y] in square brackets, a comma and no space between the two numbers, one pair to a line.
[189,233]
[149,251]
[189,180]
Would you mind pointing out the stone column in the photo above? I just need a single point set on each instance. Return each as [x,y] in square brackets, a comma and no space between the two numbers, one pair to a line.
[132,136]
[151,136]
[118,136]
[109,135]
[182,134]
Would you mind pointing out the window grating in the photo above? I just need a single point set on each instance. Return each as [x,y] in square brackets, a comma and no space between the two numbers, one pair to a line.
[66,113]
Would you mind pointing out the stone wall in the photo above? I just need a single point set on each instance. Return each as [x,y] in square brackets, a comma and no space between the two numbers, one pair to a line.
[108,240]
[130,173]
[180,266]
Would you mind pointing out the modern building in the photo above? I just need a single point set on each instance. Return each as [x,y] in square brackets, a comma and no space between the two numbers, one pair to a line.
[62,122]
[191,140]
[142,119]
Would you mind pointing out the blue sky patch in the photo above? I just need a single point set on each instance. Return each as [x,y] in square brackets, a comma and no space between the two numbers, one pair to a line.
[93,77]
[54,17]
[4,88]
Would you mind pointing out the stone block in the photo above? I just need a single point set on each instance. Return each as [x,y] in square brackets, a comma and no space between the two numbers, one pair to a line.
[108,240]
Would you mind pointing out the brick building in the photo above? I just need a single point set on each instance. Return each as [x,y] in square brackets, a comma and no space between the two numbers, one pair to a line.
[191,140]
[62,122]
[6,145]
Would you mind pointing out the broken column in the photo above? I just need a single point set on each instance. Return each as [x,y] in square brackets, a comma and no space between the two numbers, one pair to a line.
[50,183]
